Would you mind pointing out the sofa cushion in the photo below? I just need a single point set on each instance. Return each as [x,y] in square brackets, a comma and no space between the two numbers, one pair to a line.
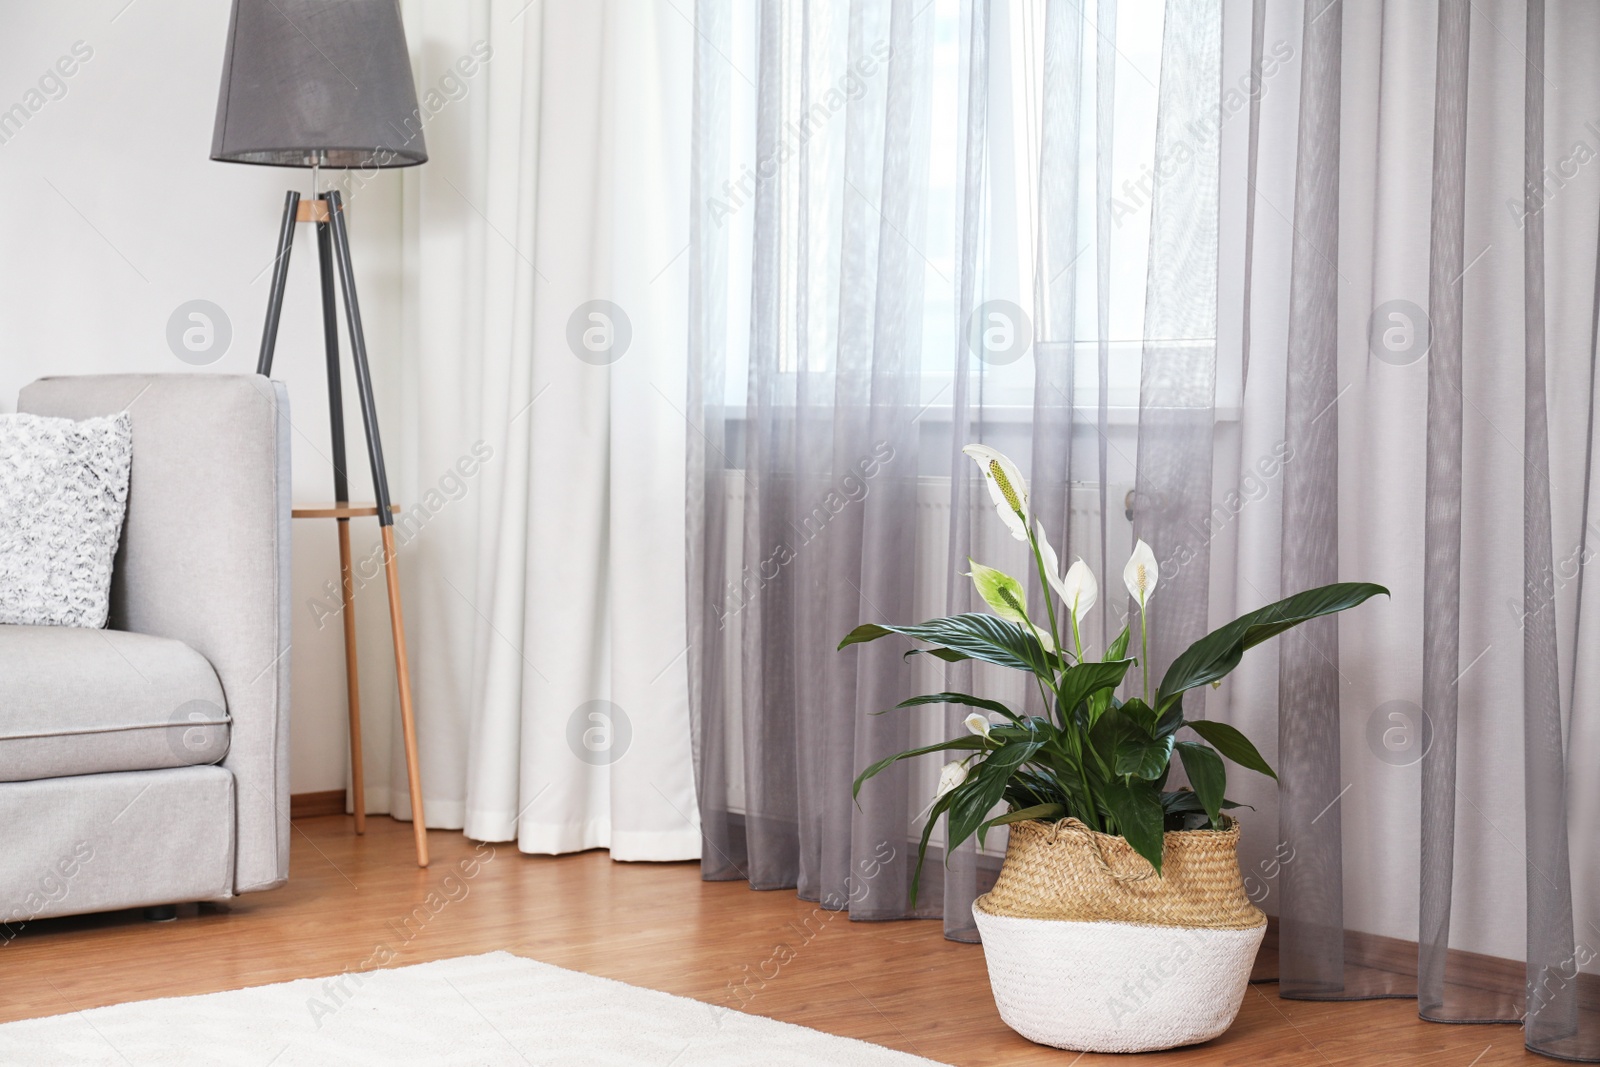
[81,701]
[63,494]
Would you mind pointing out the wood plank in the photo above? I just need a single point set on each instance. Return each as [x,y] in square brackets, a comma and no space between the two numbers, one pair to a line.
[313,210]
[351,900]
[338,511]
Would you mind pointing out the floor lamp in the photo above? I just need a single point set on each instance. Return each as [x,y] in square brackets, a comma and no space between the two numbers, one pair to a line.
[314,84]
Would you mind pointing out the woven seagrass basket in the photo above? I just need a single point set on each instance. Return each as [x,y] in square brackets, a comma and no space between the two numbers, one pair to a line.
[1065,870]
[1089,949]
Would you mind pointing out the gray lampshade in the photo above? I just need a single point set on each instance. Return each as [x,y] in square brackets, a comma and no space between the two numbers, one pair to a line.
[318,79]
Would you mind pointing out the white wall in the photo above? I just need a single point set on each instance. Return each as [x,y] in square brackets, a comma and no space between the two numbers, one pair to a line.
[114,216]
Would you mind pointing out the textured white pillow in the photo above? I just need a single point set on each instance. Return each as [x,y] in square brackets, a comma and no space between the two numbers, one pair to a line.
[63,494]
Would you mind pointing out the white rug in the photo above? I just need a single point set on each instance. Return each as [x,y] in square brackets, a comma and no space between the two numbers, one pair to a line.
[490,1009]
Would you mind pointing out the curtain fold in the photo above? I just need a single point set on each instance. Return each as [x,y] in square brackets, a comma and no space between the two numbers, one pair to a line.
[1420,453]
[1310,820]
[543,343]
[926,269]
[1552,1018]
[1441,605]
[1178,364]
[706,444]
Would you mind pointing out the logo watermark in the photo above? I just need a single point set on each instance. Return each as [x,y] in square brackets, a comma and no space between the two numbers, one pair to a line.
[807,930]
[1399,732]
[1399,333]
[851,489]
[51,887]
[599,732]
[50,86]
[599,332]
[452,486]
[198,733]
[199,332]
[999,332]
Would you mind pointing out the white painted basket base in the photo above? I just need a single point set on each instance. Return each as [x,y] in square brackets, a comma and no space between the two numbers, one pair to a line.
[1115,987]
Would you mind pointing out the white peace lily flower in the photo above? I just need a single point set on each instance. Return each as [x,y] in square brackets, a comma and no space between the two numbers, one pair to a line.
[977,724]
[1078,589]
[1006,488]
[1047,553]
[1141,573]
[953,774]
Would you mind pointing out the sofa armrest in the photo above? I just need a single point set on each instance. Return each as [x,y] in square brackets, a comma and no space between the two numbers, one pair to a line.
[204,558]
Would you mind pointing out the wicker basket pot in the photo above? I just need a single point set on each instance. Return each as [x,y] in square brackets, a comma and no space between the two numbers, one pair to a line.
[1089,949]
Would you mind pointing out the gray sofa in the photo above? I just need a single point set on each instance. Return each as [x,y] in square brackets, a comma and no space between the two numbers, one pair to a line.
[147,764]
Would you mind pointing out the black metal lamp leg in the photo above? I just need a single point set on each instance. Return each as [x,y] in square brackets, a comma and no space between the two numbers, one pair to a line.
[341,494]
[358,352]
[280,274]
[330,336]
[380,485]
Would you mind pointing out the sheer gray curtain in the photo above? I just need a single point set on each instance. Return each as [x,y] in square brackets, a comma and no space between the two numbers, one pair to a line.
[1388,214]
[1422,244]
[897,249]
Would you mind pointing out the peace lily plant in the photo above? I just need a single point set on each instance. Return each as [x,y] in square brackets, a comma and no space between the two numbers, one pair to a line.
[1092,757]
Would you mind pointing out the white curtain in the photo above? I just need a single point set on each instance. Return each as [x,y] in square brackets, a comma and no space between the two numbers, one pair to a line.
[541,431]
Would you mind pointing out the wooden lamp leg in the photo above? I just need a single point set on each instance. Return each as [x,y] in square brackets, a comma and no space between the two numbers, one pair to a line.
[403,677]
[352,676]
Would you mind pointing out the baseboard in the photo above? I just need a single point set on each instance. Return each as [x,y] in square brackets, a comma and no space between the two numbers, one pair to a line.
[306,805]
[1472,970]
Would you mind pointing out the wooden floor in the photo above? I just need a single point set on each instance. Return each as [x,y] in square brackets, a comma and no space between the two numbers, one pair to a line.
[897,984]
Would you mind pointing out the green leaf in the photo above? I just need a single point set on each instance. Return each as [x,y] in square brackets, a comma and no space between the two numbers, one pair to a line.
[1037,811]
[1119,647]
[963,699]
[980,794]
[1207,774]
[1170,720]
[1137,811]
[1220,651]
[1003,593]
[1231,743]
[1102,699]
[1142,756]
[1042,781]
[1009,757]
[939,808]
[1019,730]
[1141,713]
[939,653]
[1184,800]
[971,742]
[1181,802]
[976,636]
[984,788]
[1083,680]
[1126,746]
